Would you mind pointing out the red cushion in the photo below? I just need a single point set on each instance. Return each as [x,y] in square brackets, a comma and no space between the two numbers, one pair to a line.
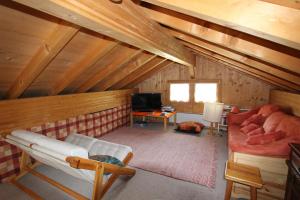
[240,117]
[268,109]
[248,128]
[235,110]
[255,119]
[258,131]
[265,138]
[290,125]
[190,126]
[273,121]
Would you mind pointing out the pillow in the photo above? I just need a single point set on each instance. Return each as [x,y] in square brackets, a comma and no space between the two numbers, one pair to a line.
[107,159]
[273,120]
[290,125]
[265,138]
[190,127]
[255,119]
[268,109]
[248,128]
[235,110]
[258,131]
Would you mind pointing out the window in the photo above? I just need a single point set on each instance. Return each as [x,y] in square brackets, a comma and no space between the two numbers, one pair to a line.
[180,92]
[205,92]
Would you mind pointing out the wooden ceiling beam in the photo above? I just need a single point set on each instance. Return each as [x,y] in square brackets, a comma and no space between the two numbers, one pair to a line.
[103,46]
[155,70]
[238,57]
[62,34]
[222,36]
[124,21]
[126,54]
[123,72]
[262,19]
[245,68]
[287,3]
[139,72]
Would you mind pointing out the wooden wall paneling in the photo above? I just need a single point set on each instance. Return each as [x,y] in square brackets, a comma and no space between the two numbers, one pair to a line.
[124,71]
[124,22]
[287,100]
[247,69]
[103,46]
[156,69]
[139,72]
[125,55]
[246,16]
[21,34]
[292,77]
[236,88]
[28,112]
[237,41]
[63,33]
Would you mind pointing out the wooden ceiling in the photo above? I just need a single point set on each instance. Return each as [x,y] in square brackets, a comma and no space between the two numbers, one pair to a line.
[53,47]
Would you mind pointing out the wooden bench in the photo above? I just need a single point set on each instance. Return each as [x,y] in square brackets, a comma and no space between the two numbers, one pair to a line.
[243,174]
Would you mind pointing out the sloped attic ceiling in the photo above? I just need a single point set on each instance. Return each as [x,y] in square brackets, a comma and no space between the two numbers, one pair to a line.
[59,47]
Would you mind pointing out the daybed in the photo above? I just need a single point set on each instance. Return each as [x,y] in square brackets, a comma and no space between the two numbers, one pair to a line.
[260,138]
[72,157]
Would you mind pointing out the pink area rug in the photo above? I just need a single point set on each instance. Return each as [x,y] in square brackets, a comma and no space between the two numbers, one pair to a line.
[181,156]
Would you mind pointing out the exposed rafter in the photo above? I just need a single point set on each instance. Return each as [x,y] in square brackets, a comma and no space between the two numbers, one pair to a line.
[237,41]
[246,15]
[238,57]
[123,72]
[139,72]
[103,46]
[240,66]
[287,3]
[124,22]
[124,56]
[155,70]
[62,34]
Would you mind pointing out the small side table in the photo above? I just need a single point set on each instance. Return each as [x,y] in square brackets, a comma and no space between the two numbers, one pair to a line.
[243,174]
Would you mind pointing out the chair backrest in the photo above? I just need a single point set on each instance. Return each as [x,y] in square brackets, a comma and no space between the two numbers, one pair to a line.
[51,152]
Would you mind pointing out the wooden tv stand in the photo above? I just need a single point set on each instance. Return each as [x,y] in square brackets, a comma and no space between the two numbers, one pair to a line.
[155,114]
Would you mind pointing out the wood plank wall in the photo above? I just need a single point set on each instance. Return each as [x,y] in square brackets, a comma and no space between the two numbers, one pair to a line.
[236,88]
[28,112]
[288,100]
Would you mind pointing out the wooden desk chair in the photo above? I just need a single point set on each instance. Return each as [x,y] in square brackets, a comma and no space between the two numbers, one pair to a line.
[243,174]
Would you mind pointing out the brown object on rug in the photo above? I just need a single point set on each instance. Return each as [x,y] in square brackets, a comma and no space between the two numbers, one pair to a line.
[180,156]
[189,127]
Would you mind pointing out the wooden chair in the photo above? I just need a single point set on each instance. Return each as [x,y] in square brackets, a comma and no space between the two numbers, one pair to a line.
[78,166]
[243,174]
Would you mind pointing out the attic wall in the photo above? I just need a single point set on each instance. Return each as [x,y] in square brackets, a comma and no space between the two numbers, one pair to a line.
[236,88]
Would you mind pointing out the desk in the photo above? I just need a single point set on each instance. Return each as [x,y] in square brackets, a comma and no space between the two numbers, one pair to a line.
[155,114]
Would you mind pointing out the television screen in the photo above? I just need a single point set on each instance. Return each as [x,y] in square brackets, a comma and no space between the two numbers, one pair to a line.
[146,102]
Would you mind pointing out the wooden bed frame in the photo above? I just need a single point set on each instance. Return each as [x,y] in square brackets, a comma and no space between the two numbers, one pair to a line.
[273,170]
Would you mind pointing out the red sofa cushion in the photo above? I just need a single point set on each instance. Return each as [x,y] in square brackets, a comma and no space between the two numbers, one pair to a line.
[279,148]
[290,125]
[255,119]
[235,110]
[240,117]
[258,131]
[249,127]
[265,138]
[273,121]
[268,109]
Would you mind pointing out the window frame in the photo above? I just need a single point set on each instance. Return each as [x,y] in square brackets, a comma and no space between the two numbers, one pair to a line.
[191,106]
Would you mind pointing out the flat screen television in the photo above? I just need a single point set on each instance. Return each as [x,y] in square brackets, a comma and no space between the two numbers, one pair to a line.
[146,102]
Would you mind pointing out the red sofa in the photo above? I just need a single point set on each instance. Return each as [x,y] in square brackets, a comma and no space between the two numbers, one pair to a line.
[272,132]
